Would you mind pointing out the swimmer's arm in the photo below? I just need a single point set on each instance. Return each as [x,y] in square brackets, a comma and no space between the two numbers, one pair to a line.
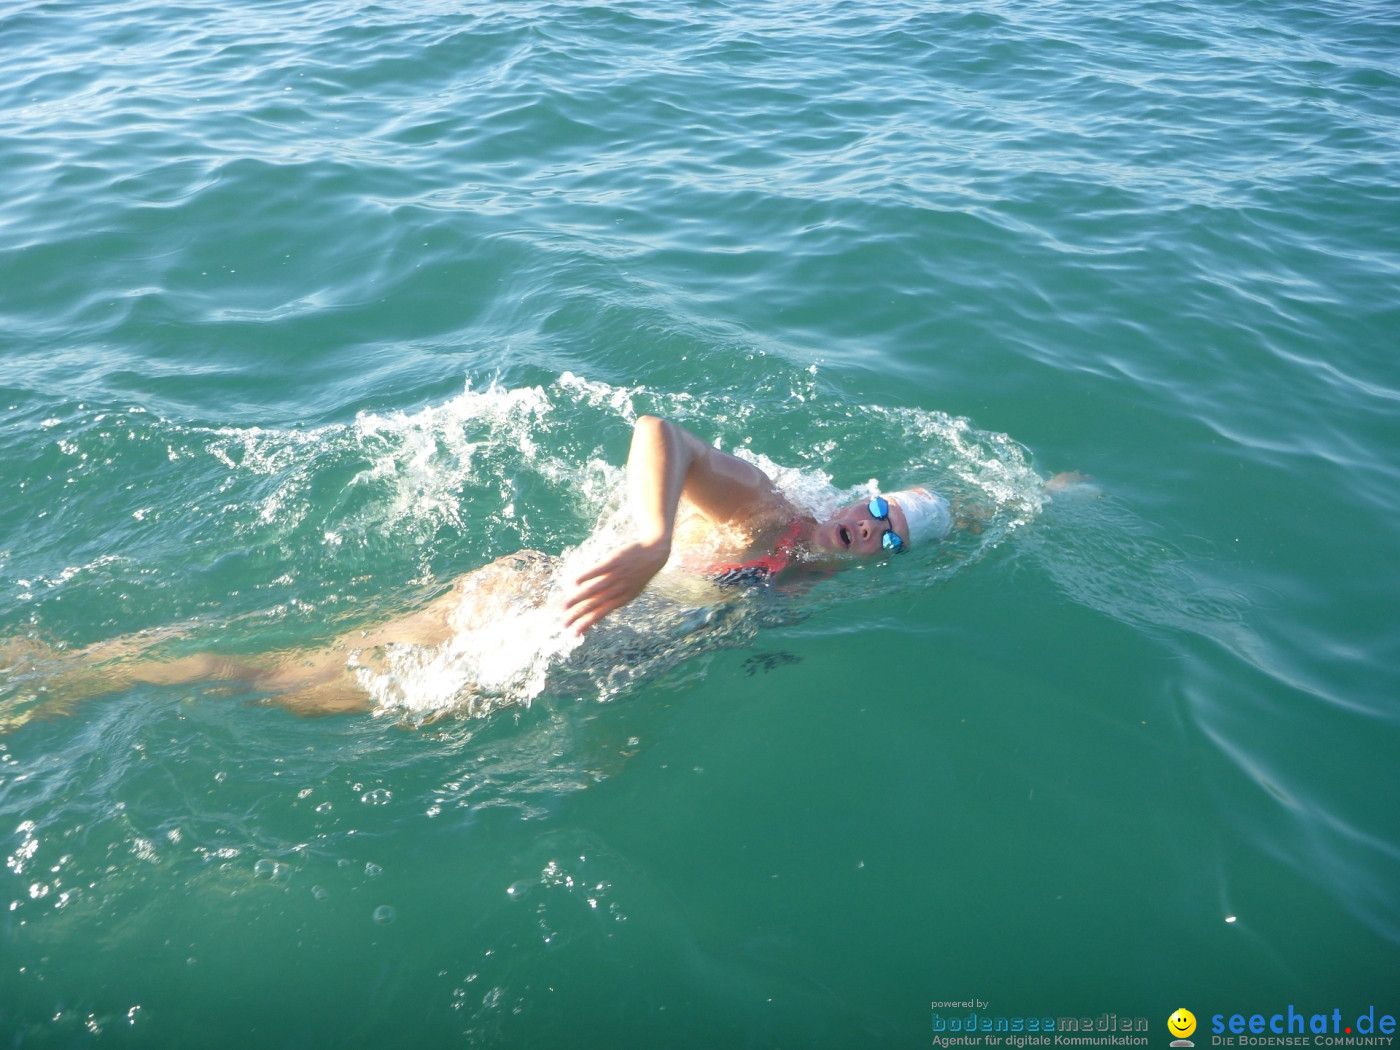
[667,461]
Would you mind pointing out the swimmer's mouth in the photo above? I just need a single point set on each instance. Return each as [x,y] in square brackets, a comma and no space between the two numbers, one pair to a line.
[844,535]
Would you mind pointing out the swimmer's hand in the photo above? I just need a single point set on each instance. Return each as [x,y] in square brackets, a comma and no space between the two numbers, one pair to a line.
[612,583]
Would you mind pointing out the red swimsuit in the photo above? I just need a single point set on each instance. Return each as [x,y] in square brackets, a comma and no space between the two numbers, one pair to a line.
[760,570]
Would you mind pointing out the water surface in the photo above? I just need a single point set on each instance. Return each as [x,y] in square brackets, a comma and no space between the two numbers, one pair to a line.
[306,309]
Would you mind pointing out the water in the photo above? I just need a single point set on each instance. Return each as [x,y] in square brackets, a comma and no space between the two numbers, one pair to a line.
[308,309]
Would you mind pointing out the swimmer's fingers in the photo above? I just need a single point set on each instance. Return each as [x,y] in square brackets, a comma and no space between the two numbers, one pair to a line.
[582,599]
[586,607]
[603,568]
[583,617]
[612,583]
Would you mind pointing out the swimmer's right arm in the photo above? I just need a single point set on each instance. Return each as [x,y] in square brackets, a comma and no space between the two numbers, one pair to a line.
[667,461]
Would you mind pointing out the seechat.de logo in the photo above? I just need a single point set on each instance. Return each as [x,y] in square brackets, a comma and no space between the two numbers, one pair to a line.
[1181,1024]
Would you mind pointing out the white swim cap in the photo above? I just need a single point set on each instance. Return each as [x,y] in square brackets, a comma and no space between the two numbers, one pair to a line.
[927,513]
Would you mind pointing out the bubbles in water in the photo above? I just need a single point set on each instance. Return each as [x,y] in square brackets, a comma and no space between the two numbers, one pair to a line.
[518,890]
[319,892]
[383,915]
[377,797]
[373,870]
[272,870]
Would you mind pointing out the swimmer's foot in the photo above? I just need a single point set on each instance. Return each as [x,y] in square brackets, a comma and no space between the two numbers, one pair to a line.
[1071,483]
[970,517]
[11,718]
[21,655]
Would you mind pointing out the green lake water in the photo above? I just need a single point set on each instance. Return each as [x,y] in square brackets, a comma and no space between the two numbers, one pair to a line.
[308,308]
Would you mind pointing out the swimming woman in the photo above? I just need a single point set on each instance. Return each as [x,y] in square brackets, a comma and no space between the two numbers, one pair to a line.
[667,467]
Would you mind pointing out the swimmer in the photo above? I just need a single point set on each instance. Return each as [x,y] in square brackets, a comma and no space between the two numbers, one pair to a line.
[667,466]
[667,463]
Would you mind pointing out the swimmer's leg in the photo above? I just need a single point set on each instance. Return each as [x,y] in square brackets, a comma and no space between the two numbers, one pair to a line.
[305,681]
[39,680]
[313,682]
[310,681]
[49,680]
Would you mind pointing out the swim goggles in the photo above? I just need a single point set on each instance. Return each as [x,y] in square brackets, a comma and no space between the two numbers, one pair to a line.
[879,509]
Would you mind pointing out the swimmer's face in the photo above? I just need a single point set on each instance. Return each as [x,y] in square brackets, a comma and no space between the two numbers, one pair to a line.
[852,530]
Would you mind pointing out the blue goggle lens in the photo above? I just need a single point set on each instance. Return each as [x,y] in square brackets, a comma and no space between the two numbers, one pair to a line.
[880,510]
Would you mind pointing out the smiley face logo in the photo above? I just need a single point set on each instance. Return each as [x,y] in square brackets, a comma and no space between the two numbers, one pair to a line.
[1182,1023]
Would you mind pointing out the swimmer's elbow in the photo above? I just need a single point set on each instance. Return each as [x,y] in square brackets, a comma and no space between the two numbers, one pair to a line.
[661,437]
